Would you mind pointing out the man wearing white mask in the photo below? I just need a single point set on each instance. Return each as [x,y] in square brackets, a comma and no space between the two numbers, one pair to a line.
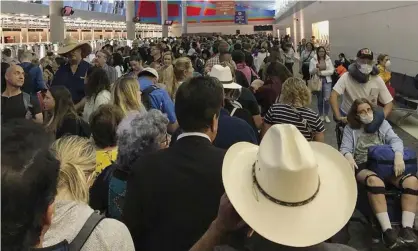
[361,81]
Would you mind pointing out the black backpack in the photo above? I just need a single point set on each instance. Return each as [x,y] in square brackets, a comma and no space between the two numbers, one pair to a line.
[82,236]
[145,96]
[28,85]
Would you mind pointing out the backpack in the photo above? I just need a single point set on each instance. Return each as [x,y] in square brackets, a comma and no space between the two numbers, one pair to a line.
[145,96]
[116,196]
[380,160]
[199,65]
[28,105]
[28,85]
[82,236]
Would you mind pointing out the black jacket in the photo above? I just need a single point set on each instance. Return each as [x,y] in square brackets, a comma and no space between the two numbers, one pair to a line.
[173,195]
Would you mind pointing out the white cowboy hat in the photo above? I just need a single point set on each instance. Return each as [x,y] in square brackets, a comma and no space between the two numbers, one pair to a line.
[70,44]
[288,190]
[224,75]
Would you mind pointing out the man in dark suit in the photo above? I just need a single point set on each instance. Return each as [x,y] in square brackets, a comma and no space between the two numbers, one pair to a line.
[173,194]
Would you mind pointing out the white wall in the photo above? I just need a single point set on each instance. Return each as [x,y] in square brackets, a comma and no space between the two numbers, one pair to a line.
[225,29]
[384,27]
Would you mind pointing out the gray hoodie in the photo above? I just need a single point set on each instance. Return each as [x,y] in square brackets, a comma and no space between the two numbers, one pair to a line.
[69,218]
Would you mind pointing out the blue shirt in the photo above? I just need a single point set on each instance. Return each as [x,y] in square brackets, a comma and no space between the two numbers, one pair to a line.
[36,76]
[159,99]
[74,82]
[232,130]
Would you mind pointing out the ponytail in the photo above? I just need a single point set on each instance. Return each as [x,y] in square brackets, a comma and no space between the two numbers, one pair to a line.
[77,158]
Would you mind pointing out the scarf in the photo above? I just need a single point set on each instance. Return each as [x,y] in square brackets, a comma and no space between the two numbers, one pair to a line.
[360,77]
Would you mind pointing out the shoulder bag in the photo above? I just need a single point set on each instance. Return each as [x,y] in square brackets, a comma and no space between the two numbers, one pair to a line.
[315,83]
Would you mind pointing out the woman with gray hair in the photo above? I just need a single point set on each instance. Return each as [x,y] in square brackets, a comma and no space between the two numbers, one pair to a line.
[138,134]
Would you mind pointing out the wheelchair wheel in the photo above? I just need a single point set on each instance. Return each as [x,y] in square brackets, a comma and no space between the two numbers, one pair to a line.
[339,129]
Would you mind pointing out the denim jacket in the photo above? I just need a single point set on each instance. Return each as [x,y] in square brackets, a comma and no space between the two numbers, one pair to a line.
[386,133]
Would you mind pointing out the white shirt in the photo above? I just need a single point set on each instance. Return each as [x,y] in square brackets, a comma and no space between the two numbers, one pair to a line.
[119,71]
[188,134]
[92,104]
[374,90]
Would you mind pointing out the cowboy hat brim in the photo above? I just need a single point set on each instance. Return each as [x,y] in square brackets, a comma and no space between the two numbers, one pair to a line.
[300,226]
[232,85]
[85,47]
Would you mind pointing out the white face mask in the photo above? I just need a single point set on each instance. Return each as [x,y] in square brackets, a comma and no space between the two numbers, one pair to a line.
[181,51]
[366,68]
[366,119]
[387,65]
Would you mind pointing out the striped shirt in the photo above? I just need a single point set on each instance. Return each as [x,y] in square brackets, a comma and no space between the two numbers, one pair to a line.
[285,114]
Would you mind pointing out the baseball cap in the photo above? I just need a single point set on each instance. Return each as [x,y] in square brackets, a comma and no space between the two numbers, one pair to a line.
[147,71]
[365,53]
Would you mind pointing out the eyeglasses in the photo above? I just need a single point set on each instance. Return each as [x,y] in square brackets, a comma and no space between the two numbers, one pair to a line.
[364,112]
[166,140]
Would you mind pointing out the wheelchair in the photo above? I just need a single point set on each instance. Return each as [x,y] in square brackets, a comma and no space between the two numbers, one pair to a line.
[393,200]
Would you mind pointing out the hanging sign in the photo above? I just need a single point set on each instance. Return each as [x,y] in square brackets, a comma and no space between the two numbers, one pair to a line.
[240,17]
[225,8]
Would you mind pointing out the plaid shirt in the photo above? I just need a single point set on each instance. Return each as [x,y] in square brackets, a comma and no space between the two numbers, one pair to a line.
[214,61]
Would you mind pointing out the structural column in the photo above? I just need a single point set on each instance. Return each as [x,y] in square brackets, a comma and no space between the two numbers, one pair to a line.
[164,17]
[183,17]
[130,14]
[56,21]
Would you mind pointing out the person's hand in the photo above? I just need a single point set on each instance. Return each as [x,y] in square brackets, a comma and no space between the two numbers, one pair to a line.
[341,119]
[351,160]
[228,219]
[399,164]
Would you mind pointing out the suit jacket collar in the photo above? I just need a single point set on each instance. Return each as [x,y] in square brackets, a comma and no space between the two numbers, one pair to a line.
[193,141]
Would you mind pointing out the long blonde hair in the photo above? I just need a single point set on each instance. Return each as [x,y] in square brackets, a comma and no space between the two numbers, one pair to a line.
[176,73]
[125,94]
[77,158]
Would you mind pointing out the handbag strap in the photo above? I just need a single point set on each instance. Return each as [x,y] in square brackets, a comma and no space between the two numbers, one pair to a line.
[304,122]
[307,58]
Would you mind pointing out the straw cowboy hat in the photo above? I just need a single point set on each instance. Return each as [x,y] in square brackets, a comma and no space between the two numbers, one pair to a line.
[71,44]
[290,191]
[224,75]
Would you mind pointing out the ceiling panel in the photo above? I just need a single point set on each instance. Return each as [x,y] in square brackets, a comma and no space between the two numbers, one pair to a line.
[260,4]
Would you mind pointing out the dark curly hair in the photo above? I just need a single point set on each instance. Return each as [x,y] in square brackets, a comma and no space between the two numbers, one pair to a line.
[97,81]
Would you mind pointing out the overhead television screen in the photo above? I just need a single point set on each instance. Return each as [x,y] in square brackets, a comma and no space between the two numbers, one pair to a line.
[263,27]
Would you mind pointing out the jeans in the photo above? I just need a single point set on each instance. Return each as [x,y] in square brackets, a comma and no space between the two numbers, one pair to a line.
[323,97]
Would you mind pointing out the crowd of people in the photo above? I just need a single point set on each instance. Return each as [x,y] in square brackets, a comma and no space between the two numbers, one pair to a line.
[196,143]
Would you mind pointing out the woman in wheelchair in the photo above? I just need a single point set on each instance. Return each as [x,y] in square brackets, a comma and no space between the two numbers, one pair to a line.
[355,147]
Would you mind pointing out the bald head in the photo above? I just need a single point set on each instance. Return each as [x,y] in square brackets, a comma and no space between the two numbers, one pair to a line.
[15,76]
